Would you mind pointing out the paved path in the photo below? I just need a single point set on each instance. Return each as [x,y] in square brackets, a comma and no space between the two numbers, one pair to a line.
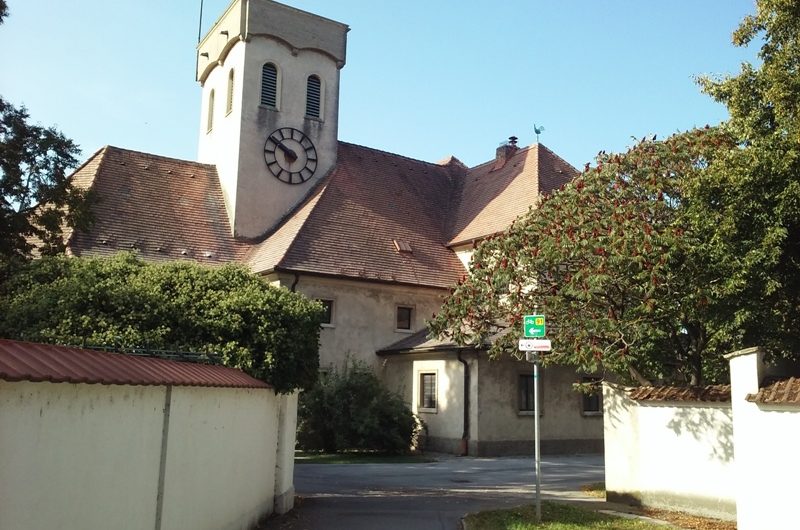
[426,496]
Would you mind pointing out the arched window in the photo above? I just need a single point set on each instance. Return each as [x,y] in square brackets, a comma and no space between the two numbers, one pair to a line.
[229,101]
[210,122]
[313,97]
[269,85]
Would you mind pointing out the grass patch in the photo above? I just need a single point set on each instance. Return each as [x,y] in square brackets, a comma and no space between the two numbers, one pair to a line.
[358,457]
[595,489]
[555,516]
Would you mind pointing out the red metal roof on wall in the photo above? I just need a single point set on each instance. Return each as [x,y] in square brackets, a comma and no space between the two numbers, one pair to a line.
[28,361]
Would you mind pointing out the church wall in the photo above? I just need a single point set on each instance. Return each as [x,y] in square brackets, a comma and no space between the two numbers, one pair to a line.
[364,316]
[220,145]
[504,429]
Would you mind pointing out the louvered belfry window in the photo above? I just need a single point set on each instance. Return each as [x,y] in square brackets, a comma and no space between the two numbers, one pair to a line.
[269,85]
[313,97]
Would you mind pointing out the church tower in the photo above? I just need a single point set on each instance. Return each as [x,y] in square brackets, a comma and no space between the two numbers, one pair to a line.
[270,106]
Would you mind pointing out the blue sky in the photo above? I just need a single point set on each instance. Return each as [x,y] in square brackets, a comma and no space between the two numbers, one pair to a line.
[423,78]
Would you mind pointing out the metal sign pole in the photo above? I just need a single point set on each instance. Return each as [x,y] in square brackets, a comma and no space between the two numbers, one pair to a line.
[537,452]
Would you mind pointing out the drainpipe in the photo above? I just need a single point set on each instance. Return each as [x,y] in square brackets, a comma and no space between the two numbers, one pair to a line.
[296,279]
[464,448]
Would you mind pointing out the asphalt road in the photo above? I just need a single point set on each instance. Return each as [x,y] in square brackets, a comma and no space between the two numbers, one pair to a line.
[432,496]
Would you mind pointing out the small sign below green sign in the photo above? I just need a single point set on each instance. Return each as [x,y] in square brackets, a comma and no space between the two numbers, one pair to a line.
[533,326]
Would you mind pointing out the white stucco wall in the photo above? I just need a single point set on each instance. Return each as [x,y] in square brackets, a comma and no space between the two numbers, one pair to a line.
[672,455]
[220,458]
[88,456]
[79,456]
[446,423]
[766,446]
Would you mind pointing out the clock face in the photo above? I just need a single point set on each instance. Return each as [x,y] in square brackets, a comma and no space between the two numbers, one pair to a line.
[290,155]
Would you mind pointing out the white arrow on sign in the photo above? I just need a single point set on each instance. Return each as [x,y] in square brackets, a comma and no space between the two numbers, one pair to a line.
[535,345]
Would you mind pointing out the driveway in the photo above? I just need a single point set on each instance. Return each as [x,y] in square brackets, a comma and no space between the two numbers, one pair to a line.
[426,496]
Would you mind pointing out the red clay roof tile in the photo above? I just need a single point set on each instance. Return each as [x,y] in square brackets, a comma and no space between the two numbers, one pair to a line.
[712,393]
[163,208]
[782,392]
[28,361]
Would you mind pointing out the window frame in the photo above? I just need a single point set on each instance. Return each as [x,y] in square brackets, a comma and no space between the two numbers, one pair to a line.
[277,95]
[522,395]
[229,94]
[210,111]
[588,398]
[411,312]
[320,100]
[331,303]
[422,394]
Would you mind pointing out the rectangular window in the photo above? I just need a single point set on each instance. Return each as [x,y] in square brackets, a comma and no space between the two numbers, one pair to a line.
[427,392]
[327,315]
[404,317]
[525,397]
[592,404]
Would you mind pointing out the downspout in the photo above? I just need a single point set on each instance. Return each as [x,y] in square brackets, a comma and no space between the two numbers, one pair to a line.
[464,448]
[294,283]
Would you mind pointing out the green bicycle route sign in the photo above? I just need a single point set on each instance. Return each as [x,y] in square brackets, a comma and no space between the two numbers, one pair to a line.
[533,326]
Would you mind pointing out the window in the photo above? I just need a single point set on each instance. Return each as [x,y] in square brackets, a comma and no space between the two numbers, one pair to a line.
[229,101]
[427,392]
[327,315]
[313,97]
[592,403]
[269,85]
[210,123]
[404,318]
[525,395]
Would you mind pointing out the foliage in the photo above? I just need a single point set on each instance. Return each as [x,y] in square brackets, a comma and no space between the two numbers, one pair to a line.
[746,207]
[270,333]
[555,516]
[659,260]
[605,260]
[354,410]
[38,200]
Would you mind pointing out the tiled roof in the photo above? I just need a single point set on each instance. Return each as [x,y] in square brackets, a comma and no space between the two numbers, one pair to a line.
[164,208]
[710,393]
[370,200]
[359,223]
[28,361]
[782,392]
[492,198]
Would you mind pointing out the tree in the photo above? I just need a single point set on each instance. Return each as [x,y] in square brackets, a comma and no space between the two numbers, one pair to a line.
[123,302]
[657,261]
[605,258]
[352,409]
[37,200]
[747,205]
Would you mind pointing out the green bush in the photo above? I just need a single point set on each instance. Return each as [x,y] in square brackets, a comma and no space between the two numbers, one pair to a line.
[124,302]
[352,410]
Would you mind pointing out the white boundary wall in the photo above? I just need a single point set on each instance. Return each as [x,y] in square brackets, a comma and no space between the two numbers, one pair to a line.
[669,455]
[82,457]
[681,455]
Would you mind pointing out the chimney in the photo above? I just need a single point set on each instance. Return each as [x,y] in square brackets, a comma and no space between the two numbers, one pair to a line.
[504,152]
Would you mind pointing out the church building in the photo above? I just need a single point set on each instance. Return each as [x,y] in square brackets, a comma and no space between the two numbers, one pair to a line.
[377,237]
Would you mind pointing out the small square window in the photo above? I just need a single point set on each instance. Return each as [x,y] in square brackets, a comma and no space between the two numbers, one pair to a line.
[327,311]
[404,317]
[427,392]
[592,403]
[525,397]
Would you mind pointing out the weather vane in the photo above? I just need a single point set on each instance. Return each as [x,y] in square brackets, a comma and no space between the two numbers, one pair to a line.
[538,130]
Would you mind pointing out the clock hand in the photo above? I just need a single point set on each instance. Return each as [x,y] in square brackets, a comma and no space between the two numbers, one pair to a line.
[291,156]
